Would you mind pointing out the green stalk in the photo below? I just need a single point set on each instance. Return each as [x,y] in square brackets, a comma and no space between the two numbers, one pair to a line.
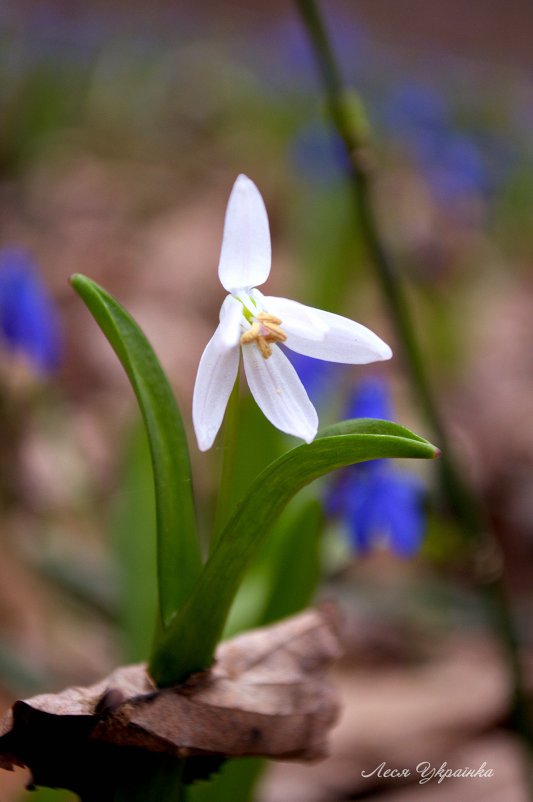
[137,776]
[160,779]
[462,500]
[227,474]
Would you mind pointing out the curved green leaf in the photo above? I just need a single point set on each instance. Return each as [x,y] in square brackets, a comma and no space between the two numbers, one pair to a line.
[178,550]
[373,426]
[189,644]
[300,565]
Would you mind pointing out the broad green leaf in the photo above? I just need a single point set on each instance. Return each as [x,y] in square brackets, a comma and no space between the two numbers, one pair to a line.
[178,551]
[295,563]
[235,782]
[189,644]
[374,426]
[48,795]
[246,462]
[135,539]
[264,594]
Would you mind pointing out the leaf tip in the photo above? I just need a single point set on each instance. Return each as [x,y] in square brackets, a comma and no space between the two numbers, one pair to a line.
[76,280]
[437,454]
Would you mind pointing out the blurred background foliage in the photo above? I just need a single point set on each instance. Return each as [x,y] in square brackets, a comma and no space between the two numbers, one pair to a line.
[122,129]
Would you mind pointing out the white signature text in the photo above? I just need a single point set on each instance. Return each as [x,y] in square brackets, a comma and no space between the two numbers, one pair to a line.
[427,772]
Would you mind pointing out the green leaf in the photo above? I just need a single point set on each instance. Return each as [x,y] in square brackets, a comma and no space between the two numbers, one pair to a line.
[295,563]
[48,795]
[135,540]
[264,594]
[375,426]
[178,550]
[189,644]
[235,782]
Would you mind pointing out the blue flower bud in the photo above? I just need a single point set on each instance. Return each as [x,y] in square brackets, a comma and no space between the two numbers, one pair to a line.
[29,325]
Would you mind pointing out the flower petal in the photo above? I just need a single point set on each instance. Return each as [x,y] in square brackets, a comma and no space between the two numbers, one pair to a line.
[296,318]
[340,340]
[279,392]
[231,315]
[216,376]
[246,254]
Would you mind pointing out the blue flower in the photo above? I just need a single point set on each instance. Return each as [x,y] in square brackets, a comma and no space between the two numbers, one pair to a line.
[376,502]
[318,154]
[416,110]
[460,171]
[371,401]
[316,375]
[29,325]
[456,163]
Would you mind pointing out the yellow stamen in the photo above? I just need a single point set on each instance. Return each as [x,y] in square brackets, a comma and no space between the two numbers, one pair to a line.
[252,334]
[275,333]
[264,347]
[264,330]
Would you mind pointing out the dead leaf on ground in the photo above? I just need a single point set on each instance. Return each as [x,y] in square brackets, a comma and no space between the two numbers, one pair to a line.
[265,695]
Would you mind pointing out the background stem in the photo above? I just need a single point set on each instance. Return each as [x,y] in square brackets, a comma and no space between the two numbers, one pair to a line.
[461,498]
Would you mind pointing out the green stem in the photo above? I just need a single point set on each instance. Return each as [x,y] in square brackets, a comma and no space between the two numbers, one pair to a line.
[461,498]
[229,449]
[139,777]
[163,783]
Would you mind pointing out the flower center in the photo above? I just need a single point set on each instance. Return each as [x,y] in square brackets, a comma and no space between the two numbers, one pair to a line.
[264,330]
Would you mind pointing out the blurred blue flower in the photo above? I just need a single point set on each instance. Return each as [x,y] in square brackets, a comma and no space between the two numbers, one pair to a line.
[456,163]
[29,325]
[459,171]
[289,58]
[316,375]
[414,109]
[377,502]
[318,153]
[372,400]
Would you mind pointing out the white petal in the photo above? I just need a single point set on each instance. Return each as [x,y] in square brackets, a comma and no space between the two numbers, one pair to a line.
[279,393]
[231,315]
[296,318]
[216,376]
[335,339]
[246,255]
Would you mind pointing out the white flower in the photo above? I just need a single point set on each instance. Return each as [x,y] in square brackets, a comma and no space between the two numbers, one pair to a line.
[254,323]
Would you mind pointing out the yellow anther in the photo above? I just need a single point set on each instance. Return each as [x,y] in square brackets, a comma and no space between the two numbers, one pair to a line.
[264,347]
[268,318]
[252,334]
[272,324]
[264,330]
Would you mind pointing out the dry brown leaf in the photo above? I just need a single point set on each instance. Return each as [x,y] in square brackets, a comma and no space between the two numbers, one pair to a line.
[265,695]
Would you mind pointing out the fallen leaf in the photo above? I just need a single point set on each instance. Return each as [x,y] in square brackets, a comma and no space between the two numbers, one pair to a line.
[266,695]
